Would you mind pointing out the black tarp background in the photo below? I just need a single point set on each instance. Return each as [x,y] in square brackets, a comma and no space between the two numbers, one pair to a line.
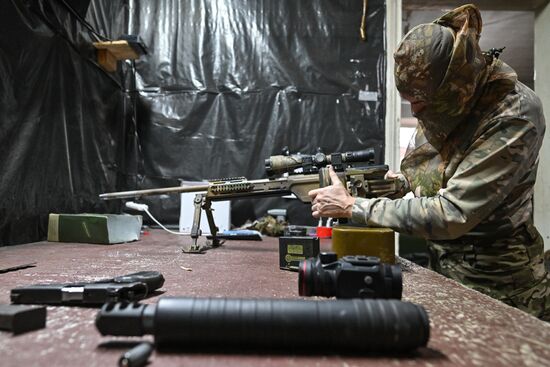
[226,84]
[59,116]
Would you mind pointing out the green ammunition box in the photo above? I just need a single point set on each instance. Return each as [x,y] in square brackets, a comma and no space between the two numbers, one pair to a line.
[94,228]
[294,249]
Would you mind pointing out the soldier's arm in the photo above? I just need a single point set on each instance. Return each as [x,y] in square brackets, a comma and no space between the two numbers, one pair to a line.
[488,173]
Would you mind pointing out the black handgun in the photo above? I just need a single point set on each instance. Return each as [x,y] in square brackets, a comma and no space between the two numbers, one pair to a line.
[130,287]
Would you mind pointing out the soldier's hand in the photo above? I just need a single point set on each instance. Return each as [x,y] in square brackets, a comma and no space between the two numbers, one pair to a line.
[403,185]
[390,174]
[333,201]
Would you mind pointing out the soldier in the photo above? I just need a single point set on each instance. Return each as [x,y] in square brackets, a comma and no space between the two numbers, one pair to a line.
[471,165]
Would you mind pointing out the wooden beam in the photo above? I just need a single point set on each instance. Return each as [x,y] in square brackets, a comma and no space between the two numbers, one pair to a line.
[121,49]
[482,4]
[107,60]
[109,52]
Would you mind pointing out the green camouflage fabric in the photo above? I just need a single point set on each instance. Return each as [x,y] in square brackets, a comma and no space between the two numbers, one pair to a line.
[471,165]
[268,225]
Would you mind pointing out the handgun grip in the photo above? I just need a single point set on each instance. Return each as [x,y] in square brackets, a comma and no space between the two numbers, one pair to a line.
[153,279]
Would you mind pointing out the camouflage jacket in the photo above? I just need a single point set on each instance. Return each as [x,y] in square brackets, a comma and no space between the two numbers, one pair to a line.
[488,184]
[474,190]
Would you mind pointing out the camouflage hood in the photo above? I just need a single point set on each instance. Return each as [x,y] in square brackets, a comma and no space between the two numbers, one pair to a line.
[441,64]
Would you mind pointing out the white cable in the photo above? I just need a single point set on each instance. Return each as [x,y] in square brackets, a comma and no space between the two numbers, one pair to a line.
[163,227]
[145,208]
[136,206]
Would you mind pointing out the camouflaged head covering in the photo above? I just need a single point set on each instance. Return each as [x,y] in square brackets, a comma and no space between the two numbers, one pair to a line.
[441,64]
[422,59]
[453,73]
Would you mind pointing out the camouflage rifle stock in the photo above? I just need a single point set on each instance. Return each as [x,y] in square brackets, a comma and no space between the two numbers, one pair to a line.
[363,181]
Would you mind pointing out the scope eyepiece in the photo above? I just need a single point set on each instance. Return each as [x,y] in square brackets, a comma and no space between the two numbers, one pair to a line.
[366,155]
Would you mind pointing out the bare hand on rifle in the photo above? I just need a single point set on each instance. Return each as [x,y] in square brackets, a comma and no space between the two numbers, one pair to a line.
[333,201]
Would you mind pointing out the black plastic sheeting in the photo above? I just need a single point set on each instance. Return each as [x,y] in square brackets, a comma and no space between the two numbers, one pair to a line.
[226,84]
[59,117]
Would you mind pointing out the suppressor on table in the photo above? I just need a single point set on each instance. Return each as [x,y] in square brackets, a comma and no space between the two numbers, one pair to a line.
[358,325]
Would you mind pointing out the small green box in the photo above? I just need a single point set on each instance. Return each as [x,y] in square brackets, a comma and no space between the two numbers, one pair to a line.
[94,228]
[294,249]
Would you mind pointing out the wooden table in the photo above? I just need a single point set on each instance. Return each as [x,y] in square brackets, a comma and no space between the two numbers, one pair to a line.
[467,328]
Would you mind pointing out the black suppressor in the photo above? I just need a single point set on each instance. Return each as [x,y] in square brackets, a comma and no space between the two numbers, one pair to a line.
[356,325]
[278,164]
[349,277]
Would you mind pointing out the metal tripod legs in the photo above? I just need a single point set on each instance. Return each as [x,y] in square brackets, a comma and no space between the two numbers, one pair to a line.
[201,202]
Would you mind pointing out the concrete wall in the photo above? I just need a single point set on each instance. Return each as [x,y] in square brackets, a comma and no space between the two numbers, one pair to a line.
[542,88]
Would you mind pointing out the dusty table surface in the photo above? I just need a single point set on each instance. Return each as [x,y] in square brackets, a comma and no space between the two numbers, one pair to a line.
[467,327]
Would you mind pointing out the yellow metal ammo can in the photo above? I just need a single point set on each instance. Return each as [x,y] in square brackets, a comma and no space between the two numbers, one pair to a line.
[351,240]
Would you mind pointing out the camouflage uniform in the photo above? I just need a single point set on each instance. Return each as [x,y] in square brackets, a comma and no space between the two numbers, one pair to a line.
[471,164]
[268,225]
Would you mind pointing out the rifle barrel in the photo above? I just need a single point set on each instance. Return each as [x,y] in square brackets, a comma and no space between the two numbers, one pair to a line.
[160,191]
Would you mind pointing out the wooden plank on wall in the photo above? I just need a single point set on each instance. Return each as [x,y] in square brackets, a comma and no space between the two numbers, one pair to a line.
[482,4]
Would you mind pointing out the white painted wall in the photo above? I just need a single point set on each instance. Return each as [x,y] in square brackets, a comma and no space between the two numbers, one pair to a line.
[542,88]
[393,100]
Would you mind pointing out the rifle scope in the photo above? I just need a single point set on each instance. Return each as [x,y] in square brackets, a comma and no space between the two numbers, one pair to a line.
[357,325]
[277,164]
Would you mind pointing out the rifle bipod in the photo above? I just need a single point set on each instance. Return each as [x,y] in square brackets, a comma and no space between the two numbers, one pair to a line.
[201,202]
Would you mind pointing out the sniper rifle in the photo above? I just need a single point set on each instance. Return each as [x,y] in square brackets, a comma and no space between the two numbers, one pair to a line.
[356,170]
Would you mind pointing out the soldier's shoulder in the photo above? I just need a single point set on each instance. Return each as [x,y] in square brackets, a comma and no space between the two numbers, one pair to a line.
[521,104]
[530,107]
